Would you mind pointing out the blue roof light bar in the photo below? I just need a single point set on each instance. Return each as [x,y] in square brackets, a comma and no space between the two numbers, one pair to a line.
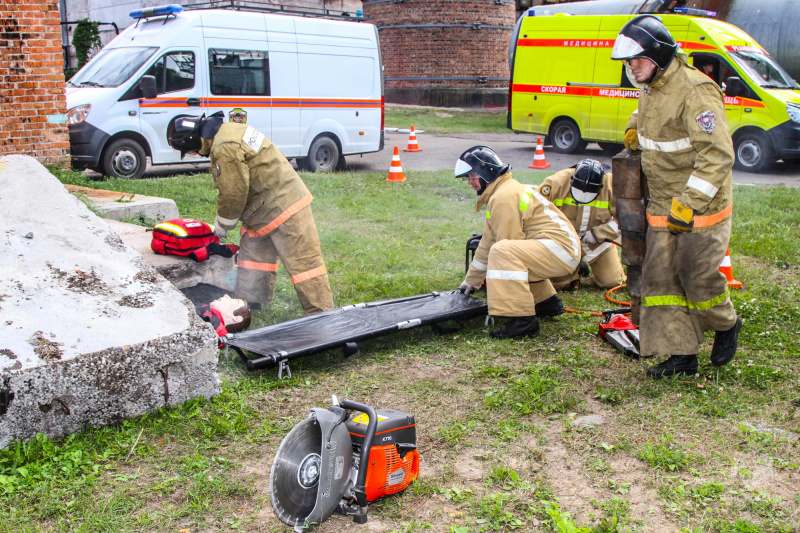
[158,11]
[695,12]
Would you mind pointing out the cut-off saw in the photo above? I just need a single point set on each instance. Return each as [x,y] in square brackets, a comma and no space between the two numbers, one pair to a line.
[336,460]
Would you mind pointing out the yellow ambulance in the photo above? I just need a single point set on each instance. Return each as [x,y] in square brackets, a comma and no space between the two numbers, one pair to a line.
[565,85]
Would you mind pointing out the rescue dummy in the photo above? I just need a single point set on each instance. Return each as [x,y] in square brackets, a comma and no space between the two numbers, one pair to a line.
[258,187]
[526,242]
[687,156]
[226,314]
[583,194]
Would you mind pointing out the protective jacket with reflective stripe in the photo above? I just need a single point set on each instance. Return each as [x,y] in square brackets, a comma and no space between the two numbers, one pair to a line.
[595,216]
[687,151]
[517,212]
[256,183]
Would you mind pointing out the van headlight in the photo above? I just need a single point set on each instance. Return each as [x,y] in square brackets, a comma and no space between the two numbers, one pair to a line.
[794,112]
[78,114]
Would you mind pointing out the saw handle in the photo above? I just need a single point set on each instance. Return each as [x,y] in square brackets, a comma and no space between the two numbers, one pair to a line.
[361,482]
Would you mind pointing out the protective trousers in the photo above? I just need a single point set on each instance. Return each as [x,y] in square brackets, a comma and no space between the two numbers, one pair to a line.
[683,291]
[606,265]
[296,244]
[518,276]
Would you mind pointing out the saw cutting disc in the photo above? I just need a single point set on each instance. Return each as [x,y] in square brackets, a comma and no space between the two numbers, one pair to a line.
[294,478]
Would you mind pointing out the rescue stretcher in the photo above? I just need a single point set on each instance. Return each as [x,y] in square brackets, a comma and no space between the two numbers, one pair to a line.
[344,327]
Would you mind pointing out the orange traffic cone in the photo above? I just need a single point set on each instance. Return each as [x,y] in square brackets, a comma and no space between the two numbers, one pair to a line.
[538,157]
[412,142]
[726,268]
[396,169]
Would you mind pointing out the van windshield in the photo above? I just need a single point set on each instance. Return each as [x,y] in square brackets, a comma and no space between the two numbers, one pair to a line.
[764,71]
[111,67]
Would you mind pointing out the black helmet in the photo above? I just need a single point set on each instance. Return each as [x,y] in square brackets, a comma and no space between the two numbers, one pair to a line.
[482,161]
[645,36]
[587,181]
[185,133]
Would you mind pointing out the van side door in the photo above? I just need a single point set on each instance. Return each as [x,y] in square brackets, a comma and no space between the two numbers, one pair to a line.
[238,59]
[285,85]
[178,75]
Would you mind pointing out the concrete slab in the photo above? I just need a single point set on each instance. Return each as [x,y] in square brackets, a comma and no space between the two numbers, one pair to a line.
[123,206]
[90,334]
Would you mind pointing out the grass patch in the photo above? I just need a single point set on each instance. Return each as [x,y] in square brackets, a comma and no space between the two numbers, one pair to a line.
[497,451]
[433,120]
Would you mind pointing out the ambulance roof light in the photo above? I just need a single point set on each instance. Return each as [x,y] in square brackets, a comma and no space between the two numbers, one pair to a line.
[158,11]
[695,12]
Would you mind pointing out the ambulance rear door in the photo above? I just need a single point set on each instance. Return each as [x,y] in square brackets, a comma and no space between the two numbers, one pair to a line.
[553,72]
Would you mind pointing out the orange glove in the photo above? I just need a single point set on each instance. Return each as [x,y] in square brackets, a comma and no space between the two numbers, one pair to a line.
[631,141]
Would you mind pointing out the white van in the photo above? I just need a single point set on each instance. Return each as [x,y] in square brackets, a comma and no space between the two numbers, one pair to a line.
[312,85]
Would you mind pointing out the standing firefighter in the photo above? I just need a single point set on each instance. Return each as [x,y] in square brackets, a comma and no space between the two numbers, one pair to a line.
[687,157]
[526,242]
[258,186]
[583,194]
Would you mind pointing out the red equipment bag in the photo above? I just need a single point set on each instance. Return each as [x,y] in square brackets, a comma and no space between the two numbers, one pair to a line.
[189,238]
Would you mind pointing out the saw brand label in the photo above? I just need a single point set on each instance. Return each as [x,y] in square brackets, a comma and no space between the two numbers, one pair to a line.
[364,419]
[397,476]
[339,469]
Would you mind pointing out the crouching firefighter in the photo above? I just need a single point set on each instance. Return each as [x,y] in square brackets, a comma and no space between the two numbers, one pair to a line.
[526,242]
[583,194]
[257,185]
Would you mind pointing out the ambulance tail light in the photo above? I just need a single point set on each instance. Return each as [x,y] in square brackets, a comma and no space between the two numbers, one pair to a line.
[694,12]
[78,114]
[508,115]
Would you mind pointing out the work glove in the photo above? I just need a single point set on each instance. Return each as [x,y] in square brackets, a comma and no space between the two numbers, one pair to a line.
[219,231]
[466,288]
[680,218]
[588,238]
[631,141]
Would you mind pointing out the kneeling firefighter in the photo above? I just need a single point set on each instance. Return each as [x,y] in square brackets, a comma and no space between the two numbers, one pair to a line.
[583,194]
[257,185]
[526,242]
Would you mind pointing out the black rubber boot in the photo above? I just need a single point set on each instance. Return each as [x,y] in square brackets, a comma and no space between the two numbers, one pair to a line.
[583,269]
[517,326]
[725,344]
[676,364]
[550,307]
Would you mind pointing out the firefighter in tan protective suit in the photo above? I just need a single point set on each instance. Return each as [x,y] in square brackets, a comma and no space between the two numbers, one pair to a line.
[258,186]
[583,194]
[687,157]
[526,242]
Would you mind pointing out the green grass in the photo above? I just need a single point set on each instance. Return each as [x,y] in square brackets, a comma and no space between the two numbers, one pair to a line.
[433,120]
[498,449]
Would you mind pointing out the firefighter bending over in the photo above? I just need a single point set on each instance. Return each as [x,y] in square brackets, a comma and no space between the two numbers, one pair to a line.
[687,157]
[257,185]
[526,242]
[583,194]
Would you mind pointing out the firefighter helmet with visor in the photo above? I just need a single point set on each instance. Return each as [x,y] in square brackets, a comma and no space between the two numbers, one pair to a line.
[480,161]
[646,37]
[587,181]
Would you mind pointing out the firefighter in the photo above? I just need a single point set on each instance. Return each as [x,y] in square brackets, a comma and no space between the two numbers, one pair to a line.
[687,157]
[526,242]
[257,185]
[583,194]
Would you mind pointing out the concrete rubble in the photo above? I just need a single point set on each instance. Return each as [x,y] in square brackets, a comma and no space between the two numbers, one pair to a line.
[90,334]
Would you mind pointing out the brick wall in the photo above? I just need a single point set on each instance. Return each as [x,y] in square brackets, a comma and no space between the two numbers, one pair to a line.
[455,48]
[32,99]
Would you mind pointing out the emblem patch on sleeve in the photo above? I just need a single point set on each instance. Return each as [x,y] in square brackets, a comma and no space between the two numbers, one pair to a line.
[545,191]
[707,121]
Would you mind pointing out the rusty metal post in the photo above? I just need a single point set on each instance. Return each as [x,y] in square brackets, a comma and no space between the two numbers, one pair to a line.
[629,193]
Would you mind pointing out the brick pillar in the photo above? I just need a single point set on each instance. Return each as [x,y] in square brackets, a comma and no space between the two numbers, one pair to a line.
[32,100]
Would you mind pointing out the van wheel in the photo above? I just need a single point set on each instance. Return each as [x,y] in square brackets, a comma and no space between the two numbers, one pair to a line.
[566,137]
[323,155]
[753,152]
[124,158]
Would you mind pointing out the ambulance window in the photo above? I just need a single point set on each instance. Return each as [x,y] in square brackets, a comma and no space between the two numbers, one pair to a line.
[239,72]
[173,72]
